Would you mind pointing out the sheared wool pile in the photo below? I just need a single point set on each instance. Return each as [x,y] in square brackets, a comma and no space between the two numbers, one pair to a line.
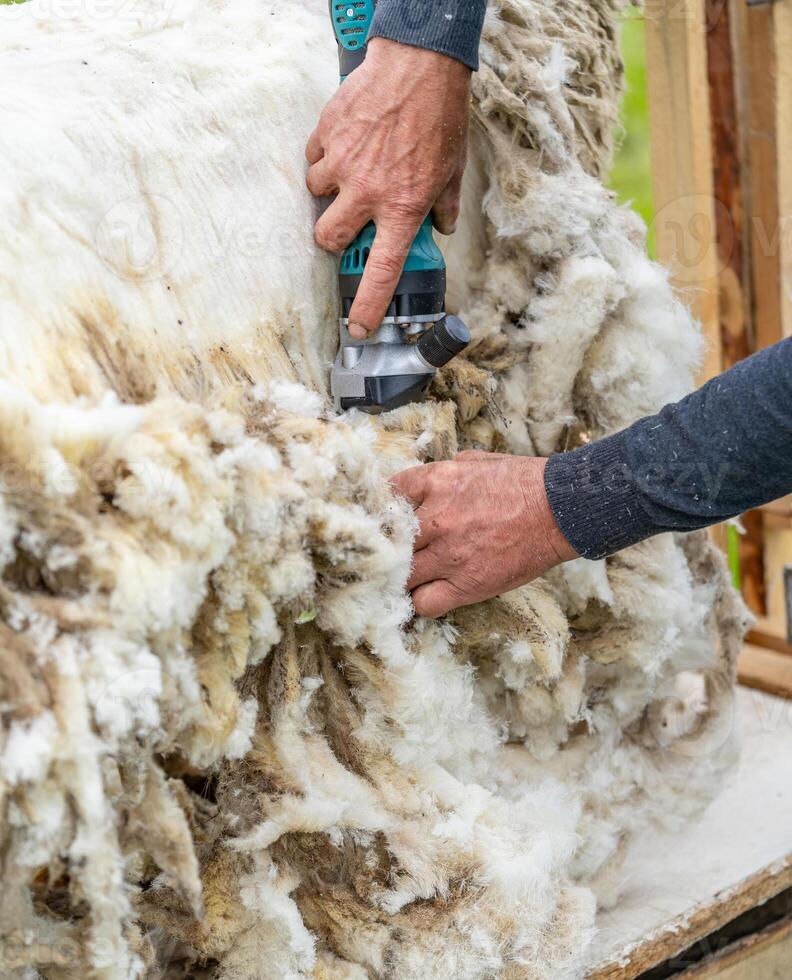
[227,748]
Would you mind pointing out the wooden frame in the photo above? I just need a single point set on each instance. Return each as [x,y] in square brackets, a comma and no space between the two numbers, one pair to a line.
[720,95]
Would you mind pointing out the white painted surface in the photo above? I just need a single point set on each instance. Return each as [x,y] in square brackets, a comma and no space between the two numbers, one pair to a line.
[746,829]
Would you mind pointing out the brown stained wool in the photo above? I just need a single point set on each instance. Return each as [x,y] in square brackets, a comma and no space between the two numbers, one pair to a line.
[227,750]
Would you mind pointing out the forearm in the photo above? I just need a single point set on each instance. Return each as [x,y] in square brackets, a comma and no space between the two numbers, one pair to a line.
[451,27]
[722,450]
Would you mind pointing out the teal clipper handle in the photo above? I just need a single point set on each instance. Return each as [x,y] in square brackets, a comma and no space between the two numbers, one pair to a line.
[420,295]
[424,255]
[352,23]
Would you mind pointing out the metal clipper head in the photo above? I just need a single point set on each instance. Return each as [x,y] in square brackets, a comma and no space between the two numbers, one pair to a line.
[388,370]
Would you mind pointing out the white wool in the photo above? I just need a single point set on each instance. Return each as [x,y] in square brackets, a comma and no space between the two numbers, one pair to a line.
[28,750]
[292,398]
[124,684]
[587,580]
[241,738]
[266,893]
[44,823]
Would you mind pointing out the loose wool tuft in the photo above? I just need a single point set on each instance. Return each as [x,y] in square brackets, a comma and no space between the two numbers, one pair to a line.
[228,749]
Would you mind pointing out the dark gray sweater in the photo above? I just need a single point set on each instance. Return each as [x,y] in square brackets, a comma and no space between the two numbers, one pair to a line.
[451,27]
[722,450]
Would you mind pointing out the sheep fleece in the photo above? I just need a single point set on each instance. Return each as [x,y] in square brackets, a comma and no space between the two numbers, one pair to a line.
[227,748]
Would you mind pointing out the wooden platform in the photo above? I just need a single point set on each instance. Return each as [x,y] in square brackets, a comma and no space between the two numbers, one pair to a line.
[766,670]
[681,889]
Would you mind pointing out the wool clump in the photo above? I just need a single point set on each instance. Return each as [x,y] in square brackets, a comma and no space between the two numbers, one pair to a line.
[228,749]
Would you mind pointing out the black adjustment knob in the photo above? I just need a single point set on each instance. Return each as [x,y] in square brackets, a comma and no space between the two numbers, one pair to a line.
[445,340]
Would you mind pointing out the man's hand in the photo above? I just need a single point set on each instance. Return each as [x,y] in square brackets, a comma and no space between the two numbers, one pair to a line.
[486,528]
[392,144]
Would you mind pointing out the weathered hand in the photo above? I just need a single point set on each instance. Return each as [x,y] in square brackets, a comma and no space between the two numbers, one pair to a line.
[392,143]
[486,528]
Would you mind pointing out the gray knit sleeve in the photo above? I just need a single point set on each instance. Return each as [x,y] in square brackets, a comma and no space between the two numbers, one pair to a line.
[451,27]
[725,449]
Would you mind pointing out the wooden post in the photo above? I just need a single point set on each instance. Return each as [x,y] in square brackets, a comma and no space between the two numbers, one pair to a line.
[729,185]
[731,188]
[682,161]
[763,44]
[783,31]
[761,81]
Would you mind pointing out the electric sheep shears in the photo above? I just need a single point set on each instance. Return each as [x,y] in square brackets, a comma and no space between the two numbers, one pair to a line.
[397,363]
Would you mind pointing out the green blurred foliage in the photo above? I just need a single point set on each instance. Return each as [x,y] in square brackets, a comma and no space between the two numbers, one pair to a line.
[631,174]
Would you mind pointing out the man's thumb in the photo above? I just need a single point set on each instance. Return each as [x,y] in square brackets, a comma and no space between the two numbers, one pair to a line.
[381,276]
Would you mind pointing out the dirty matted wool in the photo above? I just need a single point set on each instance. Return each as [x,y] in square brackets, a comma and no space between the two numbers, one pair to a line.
[227,748]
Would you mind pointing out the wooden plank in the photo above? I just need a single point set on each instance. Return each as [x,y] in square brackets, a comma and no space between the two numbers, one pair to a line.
[777,556]
[727,173]
[753,562]
[767,641]
[781,508]
[737,27]
[761,65]
[682,163]
[766,670]
[730,185]
[767,955]
[681,933]
[782,18]
[775,522]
